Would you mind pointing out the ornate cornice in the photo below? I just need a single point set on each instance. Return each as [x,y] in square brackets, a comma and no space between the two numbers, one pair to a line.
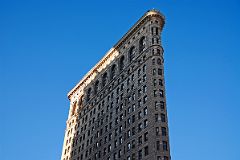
[112,53]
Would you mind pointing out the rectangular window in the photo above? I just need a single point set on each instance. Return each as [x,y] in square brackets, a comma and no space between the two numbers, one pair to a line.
[139,154]
[165,146]
[120,140]
[162,105]
[144,68]
[156,105]
[161,93]
[163,118]
[129,121]
[145,123]
[139,114]
[121,117]
[139,81]
[139,72]
[133,131]
[129,133]
[122,86]
[119,153]
[116,121]
[140,140]
[158,145]
[145,111]
[146,136]
[133,77]
[144,89]
[157,31]
[164,131]
[133,118]
[160,82]
[129,109]
[139,103]
[116,132]
[118,89]
[128,81]
[133,107]
[120,129]
[109,148]
[133,97]
[144,78]
[155,93]
[140,127]
[133,143]
[146,150]
[154,82]
[110,137]
[139,92]
[157,117]
[128,146]
[144,99]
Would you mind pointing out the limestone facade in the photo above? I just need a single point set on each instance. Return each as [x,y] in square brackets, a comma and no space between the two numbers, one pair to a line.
[118,110]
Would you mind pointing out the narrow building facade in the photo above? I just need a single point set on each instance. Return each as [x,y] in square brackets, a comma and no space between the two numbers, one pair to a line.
[118,110]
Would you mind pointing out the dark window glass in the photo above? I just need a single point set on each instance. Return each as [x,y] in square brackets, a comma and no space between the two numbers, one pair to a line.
[164,131]
[146,150]
[163,118]
[165,146]
[158,145]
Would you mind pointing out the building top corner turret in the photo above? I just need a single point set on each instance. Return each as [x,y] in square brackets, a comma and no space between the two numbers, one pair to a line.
[153,12]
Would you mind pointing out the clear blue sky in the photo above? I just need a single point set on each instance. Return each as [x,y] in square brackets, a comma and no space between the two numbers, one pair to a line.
[47,46]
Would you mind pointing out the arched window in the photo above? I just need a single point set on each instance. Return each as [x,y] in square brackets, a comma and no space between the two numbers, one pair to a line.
[96,87]
[104,79]
[121,63]
[89,94]
[142,44]
[131,53]
[113,71]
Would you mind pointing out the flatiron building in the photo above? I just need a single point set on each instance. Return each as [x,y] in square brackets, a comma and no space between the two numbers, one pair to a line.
[118,110]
